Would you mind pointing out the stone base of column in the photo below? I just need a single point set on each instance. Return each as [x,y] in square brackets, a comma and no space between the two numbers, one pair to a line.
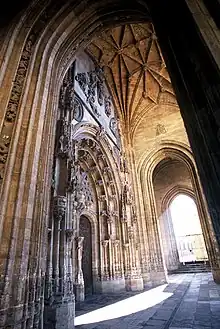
[216,274]
[113,285]
[158,278]
[172,267]
[59,315]
[147,279]
[80,292]
[135,284]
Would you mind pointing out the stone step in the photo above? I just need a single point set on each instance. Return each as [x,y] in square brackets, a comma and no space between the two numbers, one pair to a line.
[197,267]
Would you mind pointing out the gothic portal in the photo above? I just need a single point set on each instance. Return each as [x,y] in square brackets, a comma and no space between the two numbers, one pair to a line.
[108,112]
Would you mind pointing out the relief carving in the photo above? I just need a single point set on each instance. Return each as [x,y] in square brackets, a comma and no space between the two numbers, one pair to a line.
[127,194]
[100,133]
[81,78]
[108,106]
[92,86]
[64,145]
[59,207]
[15,96]
[77,109]
[160,129]
[19,80]
[113,125]
[123,163]
[4,147]
[100,92]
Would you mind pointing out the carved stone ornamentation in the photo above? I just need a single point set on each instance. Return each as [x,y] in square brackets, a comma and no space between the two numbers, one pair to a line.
[123,163]
[4,147]
[69,233]
[113,125]
[81,78]
[83,190]
[127,195]
[92,86]
[130,232]
[100,133]
[160,129]
[78,111]
[102,198]
[105,243]
[64,145]
[59,207]
[108,106]
[19,80]
[100,92]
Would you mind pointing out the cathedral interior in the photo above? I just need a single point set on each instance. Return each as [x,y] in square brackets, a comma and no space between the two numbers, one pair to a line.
[109,160]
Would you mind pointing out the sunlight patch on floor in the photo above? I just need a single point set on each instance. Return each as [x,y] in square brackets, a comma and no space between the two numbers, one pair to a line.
[127,306]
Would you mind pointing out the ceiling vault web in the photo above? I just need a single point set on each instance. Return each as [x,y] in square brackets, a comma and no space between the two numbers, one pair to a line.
[134,69]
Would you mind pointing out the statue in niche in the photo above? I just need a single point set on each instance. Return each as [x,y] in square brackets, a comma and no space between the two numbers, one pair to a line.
[64,139]
[127,195]
[123,163]
[79,279]
[63,145]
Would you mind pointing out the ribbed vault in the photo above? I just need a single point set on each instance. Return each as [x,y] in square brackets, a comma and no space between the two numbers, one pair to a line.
[134,69]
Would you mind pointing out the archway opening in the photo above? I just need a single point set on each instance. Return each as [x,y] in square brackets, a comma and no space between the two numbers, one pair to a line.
[181,225]
[86,232]
[187,229]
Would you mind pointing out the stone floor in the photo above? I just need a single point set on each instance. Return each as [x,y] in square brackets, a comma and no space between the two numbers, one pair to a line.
[188,301]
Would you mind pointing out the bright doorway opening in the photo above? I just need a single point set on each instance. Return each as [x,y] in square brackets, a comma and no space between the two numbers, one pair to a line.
[187,230]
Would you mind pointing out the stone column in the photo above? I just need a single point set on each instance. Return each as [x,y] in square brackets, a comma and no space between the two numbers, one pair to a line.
[60,306]
[196,81]
[80,288]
